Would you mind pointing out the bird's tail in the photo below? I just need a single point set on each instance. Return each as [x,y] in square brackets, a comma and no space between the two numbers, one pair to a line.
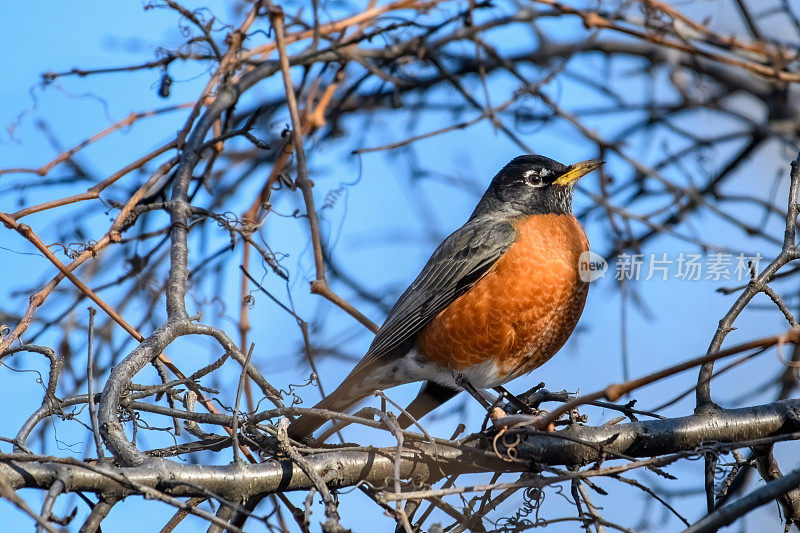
[344,397]
[431,395]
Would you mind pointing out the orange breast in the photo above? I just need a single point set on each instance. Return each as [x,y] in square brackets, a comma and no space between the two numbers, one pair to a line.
[523,310]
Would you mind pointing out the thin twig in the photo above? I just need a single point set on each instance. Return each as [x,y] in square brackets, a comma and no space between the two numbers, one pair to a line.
[98,440]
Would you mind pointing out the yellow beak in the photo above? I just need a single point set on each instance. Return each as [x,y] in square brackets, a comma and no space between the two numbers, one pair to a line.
[577,171]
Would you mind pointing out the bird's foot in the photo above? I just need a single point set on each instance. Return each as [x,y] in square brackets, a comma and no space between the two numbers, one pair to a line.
[501,420]
[495,413]
[513,400]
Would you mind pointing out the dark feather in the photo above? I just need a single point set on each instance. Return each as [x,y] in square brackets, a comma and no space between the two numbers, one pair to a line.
[461,260]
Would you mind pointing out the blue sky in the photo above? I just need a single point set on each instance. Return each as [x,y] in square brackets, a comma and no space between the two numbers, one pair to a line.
[375,222]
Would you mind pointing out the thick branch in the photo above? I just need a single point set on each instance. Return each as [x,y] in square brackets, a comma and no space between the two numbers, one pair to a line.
[420,462]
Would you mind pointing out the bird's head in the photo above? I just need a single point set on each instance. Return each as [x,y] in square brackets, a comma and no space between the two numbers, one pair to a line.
[534,184]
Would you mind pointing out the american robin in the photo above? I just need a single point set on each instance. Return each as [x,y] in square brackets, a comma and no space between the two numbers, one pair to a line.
[497,299]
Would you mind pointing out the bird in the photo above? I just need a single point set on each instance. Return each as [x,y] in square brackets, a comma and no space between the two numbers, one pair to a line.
[496,300]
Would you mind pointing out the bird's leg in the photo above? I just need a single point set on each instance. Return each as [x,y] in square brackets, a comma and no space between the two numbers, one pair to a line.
[513,399]
[475,393]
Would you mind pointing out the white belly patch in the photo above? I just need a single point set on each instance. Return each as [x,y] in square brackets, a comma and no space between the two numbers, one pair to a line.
[414,367]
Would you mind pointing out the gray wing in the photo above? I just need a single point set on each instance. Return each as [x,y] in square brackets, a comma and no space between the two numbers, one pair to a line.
[460,261]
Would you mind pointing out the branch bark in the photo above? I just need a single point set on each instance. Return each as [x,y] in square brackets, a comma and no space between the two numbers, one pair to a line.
[421,462]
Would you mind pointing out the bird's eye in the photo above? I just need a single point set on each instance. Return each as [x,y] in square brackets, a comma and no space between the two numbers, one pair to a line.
[534,179]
